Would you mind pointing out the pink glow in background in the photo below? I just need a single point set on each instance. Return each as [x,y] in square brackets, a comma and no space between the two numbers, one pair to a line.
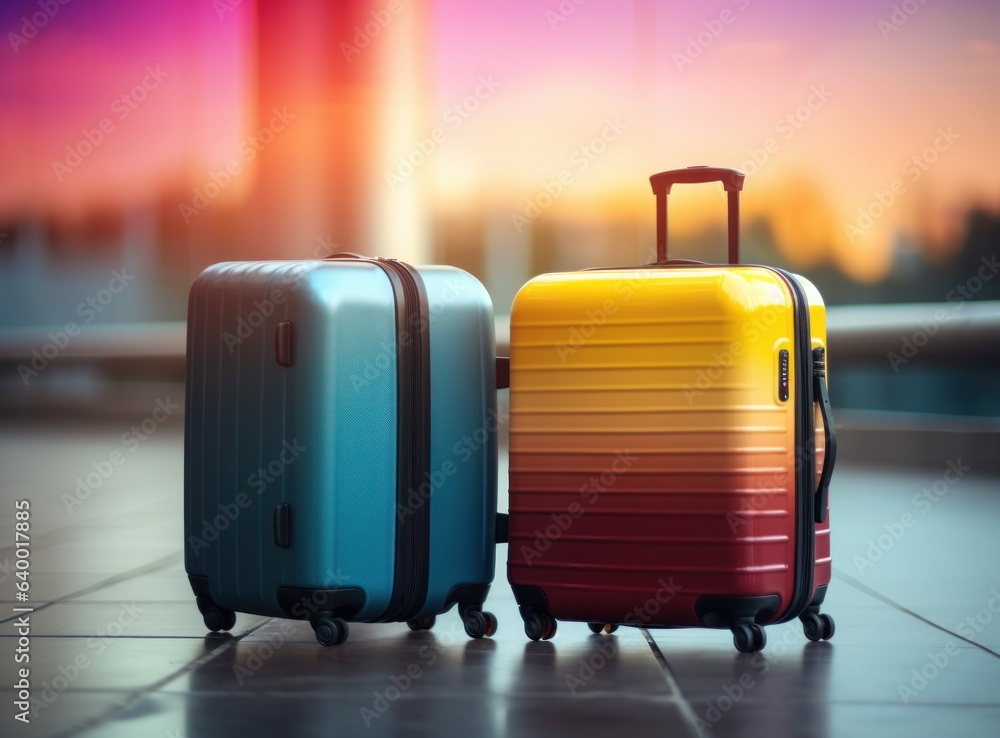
[560,78]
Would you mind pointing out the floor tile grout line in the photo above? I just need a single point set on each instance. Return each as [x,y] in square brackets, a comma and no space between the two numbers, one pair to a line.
[681,701]
[42,542]
[89,603]
[112,638]
[137,695]
[43,539]
[115,579]
[862,587]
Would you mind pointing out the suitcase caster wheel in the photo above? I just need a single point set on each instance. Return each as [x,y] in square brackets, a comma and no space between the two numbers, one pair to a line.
[540,627]
[602,627]
[749,638]
[331,631]
[421,623]
[812,626]
[491,623]
[217,618]
[818,627]
[479,624]
[829,627]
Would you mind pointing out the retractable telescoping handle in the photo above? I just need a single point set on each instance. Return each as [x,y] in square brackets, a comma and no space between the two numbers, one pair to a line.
[732,181]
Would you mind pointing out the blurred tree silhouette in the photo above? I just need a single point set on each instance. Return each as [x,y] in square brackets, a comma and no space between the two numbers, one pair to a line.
[913,278]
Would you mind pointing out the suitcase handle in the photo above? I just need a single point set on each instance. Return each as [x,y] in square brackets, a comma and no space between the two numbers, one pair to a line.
[502,528]
[732,182]
[503,372]
[829,432]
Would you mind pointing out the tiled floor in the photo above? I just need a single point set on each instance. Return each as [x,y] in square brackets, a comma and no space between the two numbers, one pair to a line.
[118,647]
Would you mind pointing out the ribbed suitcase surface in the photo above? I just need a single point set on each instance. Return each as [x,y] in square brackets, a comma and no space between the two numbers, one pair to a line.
[655,421]
[293,411]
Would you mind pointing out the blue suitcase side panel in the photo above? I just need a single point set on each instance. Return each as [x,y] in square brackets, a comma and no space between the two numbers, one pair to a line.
[463,433]
[316,435]
[250,403]
[343,497]
[213,519]
[235,393]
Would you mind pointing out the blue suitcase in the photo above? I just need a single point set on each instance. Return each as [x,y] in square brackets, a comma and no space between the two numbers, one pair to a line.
[340,444]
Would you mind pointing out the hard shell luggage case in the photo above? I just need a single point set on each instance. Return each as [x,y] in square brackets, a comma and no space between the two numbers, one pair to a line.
[671,444]
[340,443]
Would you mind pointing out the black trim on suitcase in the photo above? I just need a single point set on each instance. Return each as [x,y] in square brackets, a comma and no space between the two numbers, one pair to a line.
[305,604]
[297,603]
[501,529]
[530,598]
[468,597]
[805,454]
[723,612]
[413,442]
[820,595]
[199,585]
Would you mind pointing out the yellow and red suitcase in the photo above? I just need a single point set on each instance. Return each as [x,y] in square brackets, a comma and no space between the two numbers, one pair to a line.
[671,444]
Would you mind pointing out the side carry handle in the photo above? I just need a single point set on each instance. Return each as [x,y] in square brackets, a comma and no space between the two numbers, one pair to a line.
[830,433]
[503,382]
[503,372]
[732,182]
[502,528]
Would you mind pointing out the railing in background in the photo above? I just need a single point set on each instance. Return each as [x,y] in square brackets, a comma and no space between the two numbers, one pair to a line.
[917,384]
[887,361]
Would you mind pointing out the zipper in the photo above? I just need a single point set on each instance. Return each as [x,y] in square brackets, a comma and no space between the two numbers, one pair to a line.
[805,456]
[413,443]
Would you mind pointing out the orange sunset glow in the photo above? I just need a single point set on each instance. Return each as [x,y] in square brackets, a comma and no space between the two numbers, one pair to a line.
[452,130]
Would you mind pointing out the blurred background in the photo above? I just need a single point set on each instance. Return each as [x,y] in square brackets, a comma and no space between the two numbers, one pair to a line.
[143,142]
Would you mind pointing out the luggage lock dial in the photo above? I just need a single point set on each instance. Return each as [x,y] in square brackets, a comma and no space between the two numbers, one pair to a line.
[783,375]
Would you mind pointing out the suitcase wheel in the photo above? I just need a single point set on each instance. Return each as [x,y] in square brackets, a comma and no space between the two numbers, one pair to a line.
[216,618]
[479,624]
[602,627]
[829,627]
[421,623]
[491,623]
[539,626]
[330,631]
[749,637]
[818,626]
